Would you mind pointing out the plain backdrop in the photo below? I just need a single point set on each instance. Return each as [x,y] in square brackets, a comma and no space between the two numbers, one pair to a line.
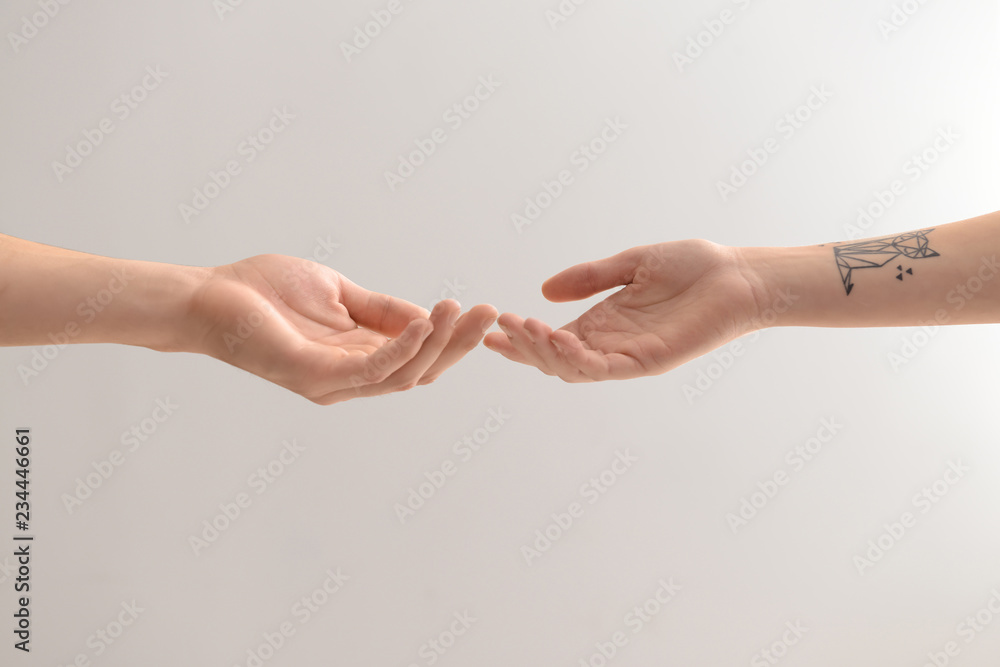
[897,74]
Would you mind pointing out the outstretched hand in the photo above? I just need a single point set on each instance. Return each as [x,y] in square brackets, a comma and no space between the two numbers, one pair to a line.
[680,300]
[306,327]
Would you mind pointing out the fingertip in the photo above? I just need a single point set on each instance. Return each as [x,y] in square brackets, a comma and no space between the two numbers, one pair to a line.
[488,323]
[446,312]
[418,329]
[550,289]
[564,287]
[441,306]
[499,343]
[491,340]
[508,321]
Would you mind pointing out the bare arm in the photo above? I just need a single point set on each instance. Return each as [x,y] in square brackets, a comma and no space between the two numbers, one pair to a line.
[294,322]
[941,273]
[49,294]
[683,299]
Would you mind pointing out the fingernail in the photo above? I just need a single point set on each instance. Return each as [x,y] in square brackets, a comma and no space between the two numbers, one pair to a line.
[488,323]
[559,348]
[527,334]
[454,317]
[505,330]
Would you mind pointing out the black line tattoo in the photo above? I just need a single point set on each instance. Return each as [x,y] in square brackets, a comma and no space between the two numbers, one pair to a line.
[875,253]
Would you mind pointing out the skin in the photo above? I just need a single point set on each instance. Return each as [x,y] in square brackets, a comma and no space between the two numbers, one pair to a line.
[291,321]
[682,299]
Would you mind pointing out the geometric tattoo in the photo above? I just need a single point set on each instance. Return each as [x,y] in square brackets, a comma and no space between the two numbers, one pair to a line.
[879,252]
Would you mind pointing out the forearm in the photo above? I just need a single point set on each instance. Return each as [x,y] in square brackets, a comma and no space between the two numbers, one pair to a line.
[947,274]
[50,296]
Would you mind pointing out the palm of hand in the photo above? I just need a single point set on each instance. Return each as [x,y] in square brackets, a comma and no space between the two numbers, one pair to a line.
[284,319]
[679,301]
[307,300]
[306,327]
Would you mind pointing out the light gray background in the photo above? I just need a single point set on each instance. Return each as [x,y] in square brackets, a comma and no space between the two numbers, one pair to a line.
[323,178]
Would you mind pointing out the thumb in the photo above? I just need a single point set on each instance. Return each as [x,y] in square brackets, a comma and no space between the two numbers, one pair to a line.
[587,279]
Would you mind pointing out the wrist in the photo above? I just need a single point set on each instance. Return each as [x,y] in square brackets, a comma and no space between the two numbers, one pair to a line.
[165,306]
[787,283]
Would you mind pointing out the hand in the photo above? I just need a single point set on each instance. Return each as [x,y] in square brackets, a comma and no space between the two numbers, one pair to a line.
[309,329]
[680,300]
